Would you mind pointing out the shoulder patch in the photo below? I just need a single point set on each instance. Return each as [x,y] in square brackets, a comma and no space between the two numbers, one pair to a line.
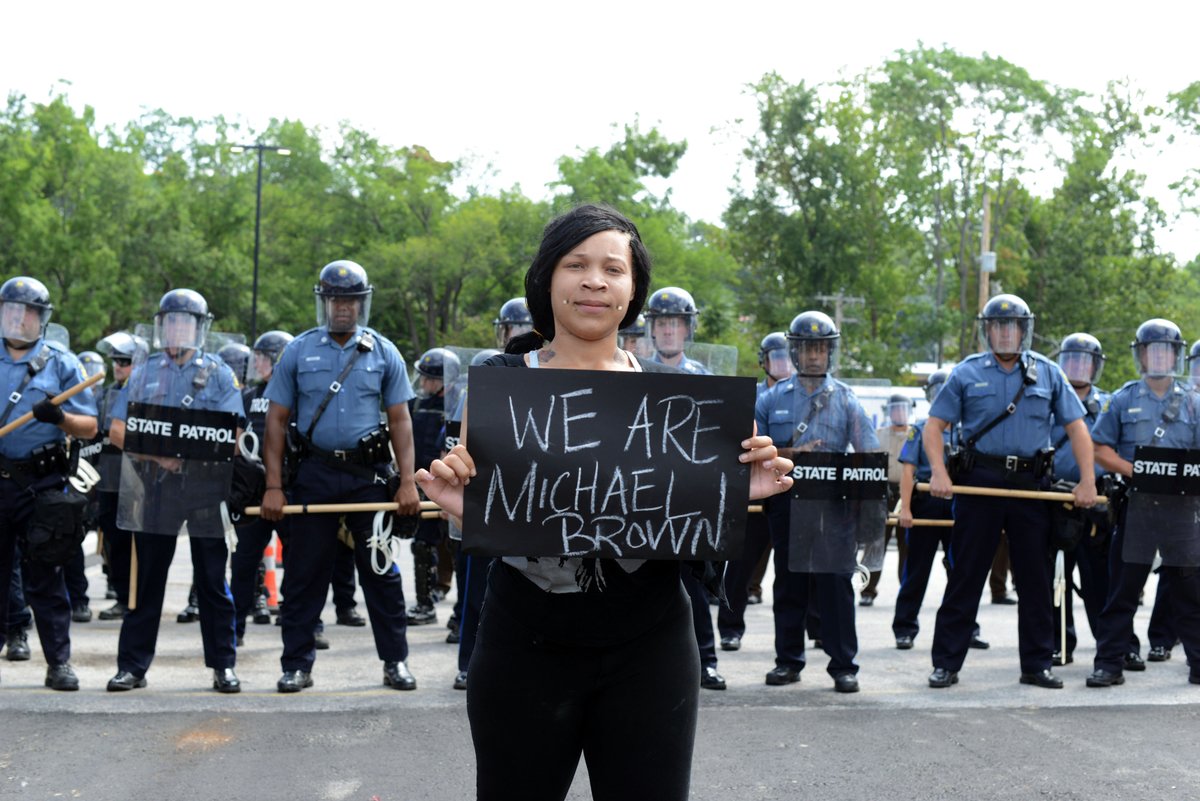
[912,433]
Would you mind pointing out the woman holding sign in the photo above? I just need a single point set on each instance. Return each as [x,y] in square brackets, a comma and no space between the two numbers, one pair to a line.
[585,656]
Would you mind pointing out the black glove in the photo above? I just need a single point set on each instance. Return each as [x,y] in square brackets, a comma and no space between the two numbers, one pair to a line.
[47,412]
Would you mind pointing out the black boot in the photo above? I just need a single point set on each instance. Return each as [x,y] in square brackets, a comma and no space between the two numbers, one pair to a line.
[425,567]
[191,612]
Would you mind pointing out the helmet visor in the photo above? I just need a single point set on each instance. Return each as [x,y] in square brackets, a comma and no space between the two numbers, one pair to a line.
[1080,367]
[1195,370]
[1006,336]
[777,365]
[343,314]
[899,413]
[507,331]
[670,334]
[262,364]
[21,322]
[932,390]
[814,357]
[1158,359]
[179,331]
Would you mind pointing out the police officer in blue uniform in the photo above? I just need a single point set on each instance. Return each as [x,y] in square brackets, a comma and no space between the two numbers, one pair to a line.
[436,370]
[1007,400]
[671,314]
[73,571]
[731,620]
[922,541]
[254,533]
[812,411]
[1161,411]
[121,348]
[34,458]
[335,378]
[513,320]
[1081,358]
[179,375]
[237,356]
[635,339]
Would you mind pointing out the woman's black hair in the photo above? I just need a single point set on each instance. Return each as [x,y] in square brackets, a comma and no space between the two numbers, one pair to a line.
[560,235]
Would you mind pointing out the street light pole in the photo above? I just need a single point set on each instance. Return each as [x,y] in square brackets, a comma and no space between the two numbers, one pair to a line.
[261,148]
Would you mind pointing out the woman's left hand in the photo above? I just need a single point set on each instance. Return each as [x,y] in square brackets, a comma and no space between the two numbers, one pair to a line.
[770,473]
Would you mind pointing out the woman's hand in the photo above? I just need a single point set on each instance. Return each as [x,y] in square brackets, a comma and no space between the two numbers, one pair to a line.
[443,482]
[770,473]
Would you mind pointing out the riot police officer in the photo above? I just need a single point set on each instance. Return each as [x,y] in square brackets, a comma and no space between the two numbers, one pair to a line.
[254,533]
[1081,358]
[1162,411]
[73,571]
[1193,360]
[513,320]
[892,435]
[671,314]
[1007,399]
[436,370]
[237,356]
[33,459]
[122,348]
[335,378]
[921,542]
[159,493]
[812,411]
[740,573]
[634,338]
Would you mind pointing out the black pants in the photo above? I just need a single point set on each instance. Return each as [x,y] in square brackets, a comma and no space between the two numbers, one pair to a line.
[139,629]
[923,542]
[731,620]
[978,521]
[472,586]
[43,584]
[706,645]
[1093,589]
[118,546]
[253,538]
[630,710]
[309,557]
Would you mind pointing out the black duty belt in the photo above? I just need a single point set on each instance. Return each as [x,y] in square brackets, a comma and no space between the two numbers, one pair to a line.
[349,456]
[1008,464]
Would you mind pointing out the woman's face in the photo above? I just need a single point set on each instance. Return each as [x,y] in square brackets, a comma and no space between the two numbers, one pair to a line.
[592,286]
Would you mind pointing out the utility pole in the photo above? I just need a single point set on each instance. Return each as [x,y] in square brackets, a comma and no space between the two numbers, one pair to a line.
[839,301]
[987,259]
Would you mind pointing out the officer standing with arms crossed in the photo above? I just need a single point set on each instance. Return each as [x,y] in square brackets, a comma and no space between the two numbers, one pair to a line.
[179,376]
[1160,411]
[1007,399]
[810,412]
[33,458]
[335,377]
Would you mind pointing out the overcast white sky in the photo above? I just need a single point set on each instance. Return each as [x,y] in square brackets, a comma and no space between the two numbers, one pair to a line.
[520,84]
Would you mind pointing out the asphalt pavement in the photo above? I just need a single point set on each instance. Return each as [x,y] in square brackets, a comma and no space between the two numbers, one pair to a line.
[349,737]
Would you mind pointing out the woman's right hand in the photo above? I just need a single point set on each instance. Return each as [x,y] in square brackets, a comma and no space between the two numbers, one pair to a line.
[906,517]
[443,482]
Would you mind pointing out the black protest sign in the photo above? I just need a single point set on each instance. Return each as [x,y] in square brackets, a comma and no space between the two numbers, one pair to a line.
[1166,471]
[180,433]
[842,476]
[607,464]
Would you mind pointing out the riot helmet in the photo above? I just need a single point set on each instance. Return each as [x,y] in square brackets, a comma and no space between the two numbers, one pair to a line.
[343,297]
[634,338]
[1006,326]
[182,320]
[773,356]
[1081,359]
[24,310]
[92,363]
[671,314]
[935,383]
[237,356]
[437,369]
[483,356]
[513,320]
[1158,349]
[899,410]
[123,347]
[813,344]
[1194,363]
[267,350]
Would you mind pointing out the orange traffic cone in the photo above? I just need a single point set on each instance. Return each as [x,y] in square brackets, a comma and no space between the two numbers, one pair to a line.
[271,556]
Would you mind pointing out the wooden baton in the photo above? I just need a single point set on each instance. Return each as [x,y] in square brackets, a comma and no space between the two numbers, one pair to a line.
[57,400]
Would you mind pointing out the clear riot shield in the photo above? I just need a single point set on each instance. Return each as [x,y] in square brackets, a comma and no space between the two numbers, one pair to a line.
[58,333]
[177,465]
[108,461]
[719,359]
[838,508]
[1163,512]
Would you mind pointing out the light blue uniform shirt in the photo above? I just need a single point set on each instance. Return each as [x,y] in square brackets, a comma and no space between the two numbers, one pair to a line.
[313,361]
[1134,411]
[163,382]
[62,371]
[686,365]
[914,453]
[979,390]
[839,424]
[1065,466]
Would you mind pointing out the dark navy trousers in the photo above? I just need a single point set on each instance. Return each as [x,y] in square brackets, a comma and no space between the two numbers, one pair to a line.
[118,546]
[253,538]
[923,542]
[43,585]
[309,558]
[833,593]
[701,617]
[472,584]
[978,522]
[731,620]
